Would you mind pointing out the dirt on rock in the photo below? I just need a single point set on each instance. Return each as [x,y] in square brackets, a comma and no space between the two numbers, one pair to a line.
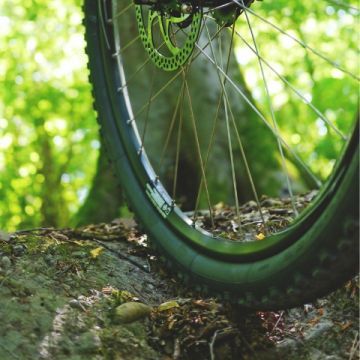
[99,292]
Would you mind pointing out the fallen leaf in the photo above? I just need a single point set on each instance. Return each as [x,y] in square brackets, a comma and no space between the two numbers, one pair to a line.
[320,311]
[314,321]
[345,325]
[201,303]
[260,236]
[168,305]
[107,290]
[96,252]
[219,206]
[171,324]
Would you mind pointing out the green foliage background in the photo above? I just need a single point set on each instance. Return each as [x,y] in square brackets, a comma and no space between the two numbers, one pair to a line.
[48,133]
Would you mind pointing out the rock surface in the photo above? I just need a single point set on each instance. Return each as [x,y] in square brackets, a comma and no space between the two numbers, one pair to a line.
[100,293]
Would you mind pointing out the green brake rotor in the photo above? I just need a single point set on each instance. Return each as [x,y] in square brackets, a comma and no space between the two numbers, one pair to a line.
[175,55]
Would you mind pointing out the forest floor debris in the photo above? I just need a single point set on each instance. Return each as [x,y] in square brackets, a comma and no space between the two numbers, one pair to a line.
[99,292]
[254,220]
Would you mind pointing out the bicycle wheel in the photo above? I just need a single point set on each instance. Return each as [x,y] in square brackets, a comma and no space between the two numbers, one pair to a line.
[181,126]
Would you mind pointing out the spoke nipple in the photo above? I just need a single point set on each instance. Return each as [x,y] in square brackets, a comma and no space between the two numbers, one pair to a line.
[156,181]
[140,150]
[129,121]
[109,21]
[114,55]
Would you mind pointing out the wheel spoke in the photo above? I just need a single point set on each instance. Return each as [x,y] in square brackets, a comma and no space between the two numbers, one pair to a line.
[171,126]
[178,141]
[124,10]
[159,92]
[223,6]
[236,196]
[198,148]
[147,110]
[125,47]
[273,116]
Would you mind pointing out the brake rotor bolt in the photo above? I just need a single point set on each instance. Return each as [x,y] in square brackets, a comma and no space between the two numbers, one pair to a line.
[186,8]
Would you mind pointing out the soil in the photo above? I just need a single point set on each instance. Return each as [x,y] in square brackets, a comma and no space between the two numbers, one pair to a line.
[99,292]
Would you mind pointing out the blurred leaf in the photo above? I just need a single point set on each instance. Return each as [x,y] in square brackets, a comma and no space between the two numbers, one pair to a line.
[96,252]
[168,305]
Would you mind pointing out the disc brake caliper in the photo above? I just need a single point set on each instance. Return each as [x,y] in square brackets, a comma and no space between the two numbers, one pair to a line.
[168,37]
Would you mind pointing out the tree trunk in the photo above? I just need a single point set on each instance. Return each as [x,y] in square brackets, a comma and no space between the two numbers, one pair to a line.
[54,211]
[105,196]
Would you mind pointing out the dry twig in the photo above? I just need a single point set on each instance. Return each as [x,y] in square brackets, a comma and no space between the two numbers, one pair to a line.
[355,348]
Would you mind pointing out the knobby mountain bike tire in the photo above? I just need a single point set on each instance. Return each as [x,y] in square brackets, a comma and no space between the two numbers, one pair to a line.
[310,258]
